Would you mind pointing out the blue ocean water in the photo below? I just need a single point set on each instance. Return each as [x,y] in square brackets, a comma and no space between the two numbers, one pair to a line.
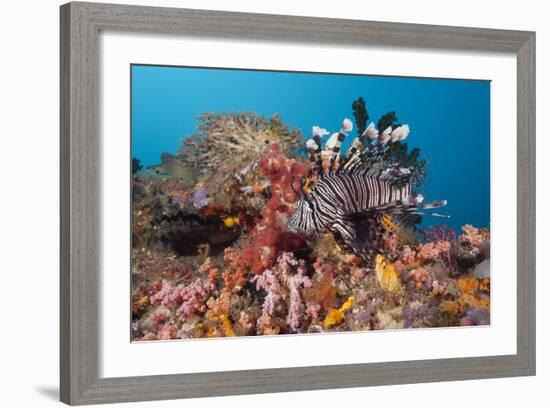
[449,119]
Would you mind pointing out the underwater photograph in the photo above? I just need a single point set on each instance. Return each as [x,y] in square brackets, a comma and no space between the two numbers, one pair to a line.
[275,202]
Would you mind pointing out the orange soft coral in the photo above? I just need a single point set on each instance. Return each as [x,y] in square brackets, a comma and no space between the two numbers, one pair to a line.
[209,270]
[323,291]
[234,277]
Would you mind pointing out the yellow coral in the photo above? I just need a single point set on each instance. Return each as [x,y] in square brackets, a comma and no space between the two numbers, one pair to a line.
[142,301]
[231,222]
[468,285]
[224,322]
[387,276]
[226,326]
[335,316]
[450,307]
[347,304]
[485,285]
[468,300]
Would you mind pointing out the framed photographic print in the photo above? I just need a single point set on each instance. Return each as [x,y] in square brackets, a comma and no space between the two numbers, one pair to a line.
[259,203]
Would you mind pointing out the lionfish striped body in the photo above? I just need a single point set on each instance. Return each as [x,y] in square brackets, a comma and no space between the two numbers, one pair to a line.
[349,201]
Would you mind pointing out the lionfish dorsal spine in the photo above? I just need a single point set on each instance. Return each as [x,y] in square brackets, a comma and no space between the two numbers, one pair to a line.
[350,193]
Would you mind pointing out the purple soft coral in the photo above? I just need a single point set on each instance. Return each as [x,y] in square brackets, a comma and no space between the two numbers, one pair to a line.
[198,198]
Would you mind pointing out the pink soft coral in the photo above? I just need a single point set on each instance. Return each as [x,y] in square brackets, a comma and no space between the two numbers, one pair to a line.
[421,278]
[434,251]
[188,298]
[294,272]
[284,282]
[472,235]
[270,284]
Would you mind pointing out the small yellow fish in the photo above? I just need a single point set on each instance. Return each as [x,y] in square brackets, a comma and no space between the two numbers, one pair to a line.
[231,222]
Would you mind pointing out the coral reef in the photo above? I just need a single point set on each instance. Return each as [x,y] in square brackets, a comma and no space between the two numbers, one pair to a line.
[212,254]
[233,141]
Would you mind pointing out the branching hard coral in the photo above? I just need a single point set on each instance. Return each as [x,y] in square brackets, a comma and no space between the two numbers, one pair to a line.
[235,139]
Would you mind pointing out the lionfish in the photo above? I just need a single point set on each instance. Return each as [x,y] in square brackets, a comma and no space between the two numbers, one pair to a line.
[350,195]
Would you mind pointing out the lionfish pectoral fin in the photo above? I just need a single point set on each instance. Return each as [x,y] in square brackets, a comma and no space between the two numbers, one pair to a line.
[362,250]
[432,214]
[419,209]
[354,232]
[345,233]
[410,206]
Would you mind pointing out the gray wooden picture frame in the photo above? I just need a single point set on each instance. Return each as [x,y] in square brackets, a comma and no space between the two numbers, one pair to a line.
[80,191]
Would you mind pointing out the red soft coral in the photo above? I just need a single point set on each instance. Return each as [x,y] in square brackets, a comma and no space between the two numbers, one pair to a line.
[270,236]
